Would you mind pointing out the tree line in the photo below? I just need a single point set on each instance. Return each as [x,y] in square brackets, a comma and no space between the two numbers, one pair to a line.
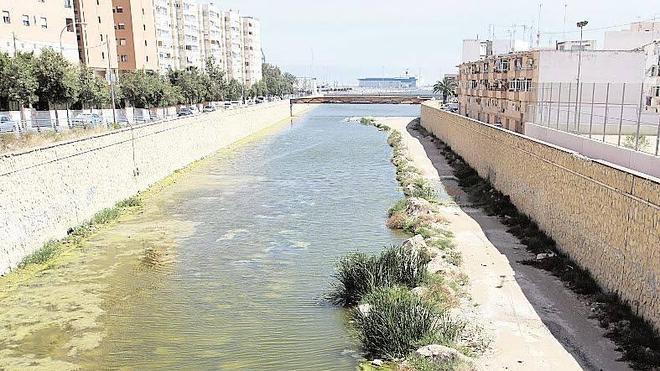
[48,79]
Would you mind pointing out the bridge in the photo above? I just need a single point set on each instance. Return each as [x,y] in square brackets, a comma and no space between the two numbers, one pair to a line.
[361,99]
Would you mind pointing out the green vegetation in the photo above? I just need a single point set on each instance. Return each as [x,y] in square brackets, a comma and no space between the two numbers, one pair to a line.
[395,324]
[630,141]
[634,336]
[49,80]
[447,87]
[358,273]
[76,235]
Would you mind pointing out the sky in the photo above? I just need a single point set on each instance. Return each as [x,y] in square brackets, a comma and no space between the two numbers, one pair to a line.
[342,40]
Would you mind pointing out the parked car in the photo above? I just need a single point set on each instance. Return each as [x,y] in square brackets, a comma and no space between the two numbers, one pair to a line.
[184,111]
[209,108]
[228,105]
[451,107]
[7,125]
[87,120]
[260,100]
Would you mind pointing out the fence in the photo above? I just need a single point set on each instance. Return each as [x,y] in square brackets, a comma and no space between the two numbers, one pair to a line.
[30,121]
[622,114]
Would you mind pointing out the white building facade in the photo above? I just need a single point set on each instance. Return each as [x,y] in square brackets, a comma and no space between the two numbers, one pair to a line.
[252,57]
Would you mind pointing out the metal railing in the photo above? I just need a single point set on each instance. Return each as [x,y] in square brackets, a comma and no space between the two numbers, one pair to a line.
[622,114]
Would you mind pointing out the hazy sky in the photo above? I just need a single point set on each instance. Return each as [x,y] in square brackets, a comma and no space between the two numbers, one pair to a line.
[341,40]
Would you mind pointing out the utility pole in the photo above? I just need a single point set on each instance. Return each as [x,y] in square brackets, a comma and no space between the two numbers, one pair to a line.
[13,36]
[112,86]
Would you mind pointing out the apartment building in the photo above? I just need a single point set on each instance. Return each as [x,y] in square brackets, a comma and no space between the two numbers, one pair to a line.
[252,57]
[97,47]
[135,34]
[212,35]
[642,36]
[188,34]
[497,89]
[32,25]
[233,26]
[166,35]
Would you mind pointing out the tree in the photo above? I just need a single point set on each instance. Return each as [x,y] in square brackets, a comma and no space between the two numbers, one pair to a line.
[18,82]
[258,89]
[57,77]
[193,84]
[234,90]
[447,87]
[217,87]
[94,90]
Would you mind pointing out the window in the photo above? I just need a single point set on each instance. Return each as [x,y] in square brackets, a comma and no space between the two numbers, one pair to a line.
[69,24]
[122,42]
[67,4]
[142,11]
[120,9]
[44,22]
[5,17]
[123,58]
[145,42]
[26,20]
[102,55]
[99,19]
[121,26]
[144,27]
[147,58]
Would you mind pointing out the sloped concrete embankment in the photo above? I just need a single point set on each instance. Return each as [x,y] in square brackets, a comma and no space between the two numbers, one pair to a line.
[605,218]
[46,191]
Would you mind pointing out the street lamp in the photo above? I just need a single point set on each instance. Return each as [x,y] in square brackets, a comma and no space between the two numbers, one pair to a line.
[64,28]
[578,91]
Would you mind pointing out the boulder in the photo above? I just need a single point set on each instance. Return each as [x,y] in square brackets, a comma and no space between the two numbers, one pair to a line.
[364,309]
[418,207]
[545,255]
[415,243]
[377,362]
[441,354]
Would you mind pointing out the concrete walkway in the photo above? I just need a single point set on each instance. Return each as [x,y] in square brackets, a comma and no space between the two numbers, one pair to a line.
[535,322]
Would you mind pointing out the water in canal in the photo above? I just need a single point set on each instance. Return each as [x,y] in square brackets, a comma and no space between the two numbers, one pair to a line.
[223,268]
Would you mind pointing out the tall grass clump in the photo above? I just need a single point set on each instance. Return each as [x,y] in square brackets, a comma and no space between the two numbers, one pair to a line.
[47,252]
[358,274]
[395,323]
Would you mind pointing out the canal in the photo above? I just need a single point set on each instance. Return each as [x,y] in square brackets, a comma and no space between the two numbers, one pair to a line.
[224,267]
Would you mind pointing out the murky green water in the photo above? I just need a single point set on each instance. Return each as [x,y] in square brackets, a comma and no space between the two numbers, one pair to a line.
[222,269]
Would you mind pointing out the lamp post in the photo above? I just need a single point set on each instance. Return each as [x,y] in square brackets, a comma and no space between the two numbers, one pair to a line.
[578,91]
[62,32]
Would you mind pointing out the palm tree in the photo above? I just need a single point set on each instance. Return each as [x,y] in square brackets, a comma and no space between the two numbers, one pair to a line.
[447,87]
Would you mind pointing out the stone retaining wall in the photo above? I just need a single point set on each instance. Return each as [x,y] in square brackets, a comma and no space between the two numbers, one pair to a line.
[46,191]
[606,218]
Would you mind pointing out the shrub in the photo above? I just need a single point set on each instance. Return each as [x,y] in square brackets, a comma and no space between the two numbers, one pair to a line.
[358,273]
[132,201]
[395,324]
[355,277]
[105,216]
[48,251]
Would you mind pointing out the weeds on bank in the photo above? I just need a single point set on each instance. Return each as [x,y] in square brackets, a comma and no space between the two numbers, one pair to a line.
[635,337]
[75,236]
[393,320]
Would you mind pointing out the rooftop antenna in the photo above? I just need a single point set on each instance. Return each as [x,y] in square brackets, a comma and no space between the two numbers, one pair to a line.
[538,27]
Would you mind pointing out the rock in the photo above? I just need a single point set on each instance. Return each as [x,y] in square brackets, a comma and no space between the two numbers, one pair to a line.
[364,309]
[545,255]
[441,354]
[415,243]
[418,206]
[420,291]
[439,264]
[377,362]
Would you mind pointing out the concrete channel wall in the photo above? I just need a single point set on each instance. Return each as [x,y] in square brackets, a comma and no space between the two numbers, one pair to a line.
[605,217]
[45,191]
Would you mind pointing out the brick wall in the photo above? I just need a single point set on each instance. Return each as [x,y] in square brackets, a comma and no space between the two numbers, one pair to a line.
[606,218]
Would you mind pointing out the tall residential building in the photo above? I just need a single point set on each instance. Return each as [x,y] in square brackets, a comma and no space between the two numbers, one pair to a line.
[31,25]
[166,35]
[252,57]
[96,35]
[212,35]
[188,34]
[234,45]
[135,34]
[498,88]
[639,34]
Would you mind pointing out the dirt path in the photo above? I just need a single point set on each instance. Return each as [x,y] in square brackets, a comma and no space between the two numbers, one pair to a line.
[536,323]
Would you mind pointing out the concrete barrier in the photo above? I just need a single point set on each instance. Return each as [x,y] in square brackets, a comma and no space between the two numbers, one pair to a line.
[605,217]
[45,191]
